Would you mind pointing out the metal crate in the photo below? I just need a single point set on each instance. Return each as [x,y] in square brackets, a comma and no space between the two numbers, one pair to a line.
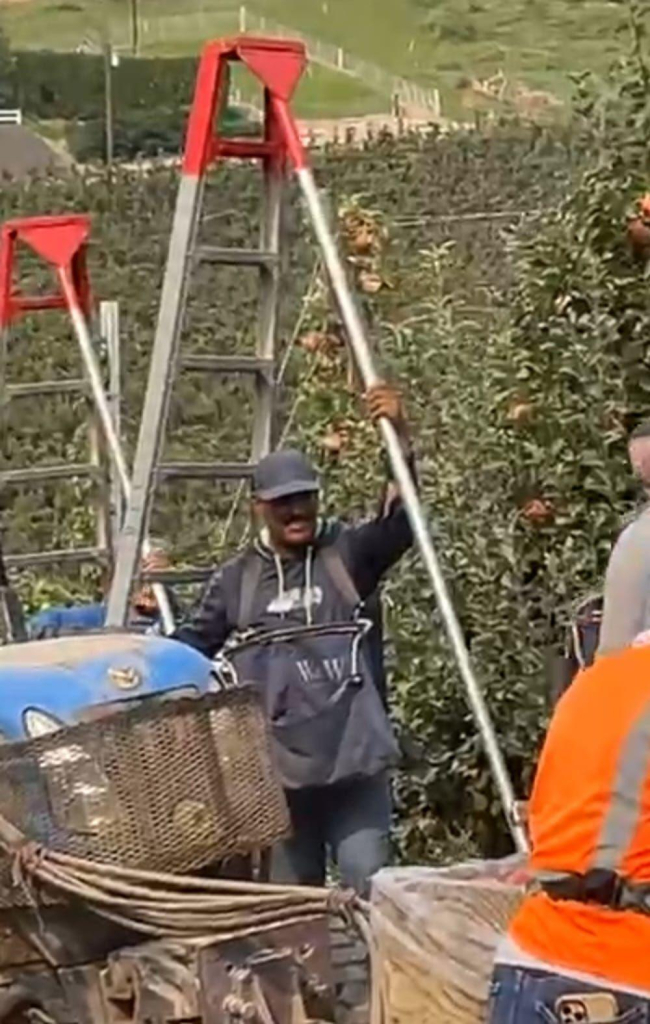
[169,786]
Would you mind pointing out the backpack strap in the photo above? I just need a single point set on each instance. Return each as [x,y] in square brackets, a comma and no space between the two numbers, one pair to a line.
[339,575]
[250,578]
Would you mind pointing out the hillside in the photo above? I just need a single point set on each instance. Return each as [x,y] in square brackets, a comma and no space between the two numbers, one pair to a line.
[439,43]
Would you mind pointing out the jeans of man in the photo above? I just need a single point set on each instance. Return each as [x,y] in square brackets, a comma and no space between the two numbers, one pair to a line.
[350,822]
[523,996]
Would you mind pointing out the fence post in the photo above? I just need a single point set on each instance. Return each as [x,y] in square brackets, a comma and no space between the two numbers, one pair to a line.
[242,19]
[108,106]
[135,29]
[340,58]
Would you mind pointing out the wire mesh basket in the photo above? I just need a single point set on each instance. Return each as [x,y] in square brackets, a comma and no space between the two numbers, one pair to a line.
[169,786]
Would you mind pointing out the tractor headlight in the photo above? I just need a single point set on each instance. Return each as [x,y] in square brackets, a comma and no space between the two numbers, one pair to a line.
[37,723]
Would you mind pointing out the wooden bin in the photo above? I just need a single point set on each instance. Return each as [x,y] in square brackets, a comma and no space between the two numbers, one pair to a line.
[436,932]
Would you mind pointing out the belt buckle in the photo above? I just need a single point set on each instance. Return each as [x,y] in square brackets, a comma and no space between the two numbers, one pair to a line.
[603,887]
[634,897]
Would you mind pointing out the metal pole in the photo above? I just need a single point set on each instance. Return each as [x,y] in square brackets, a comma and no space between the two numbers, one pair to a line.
[411,500]
[108,103]
[135,28]
[106,419]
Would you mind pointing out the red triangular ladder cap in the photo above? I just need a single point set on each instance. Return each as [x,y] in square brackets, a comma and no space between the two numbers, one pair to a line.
[278,66]
[56,239]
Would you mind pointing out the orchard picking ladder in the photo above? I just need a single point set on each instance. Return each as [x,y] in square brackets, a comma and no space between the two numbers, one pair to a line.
[61,241]
[278,64]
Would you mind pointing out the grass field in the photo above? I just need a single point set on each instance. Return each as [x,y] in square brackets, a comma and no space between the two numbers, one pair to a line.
[435,42]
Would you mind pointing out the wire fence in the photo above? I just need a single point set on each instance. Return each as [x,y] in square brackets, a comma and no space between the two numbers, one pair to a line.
[203,24]
[409,94]
[199,25]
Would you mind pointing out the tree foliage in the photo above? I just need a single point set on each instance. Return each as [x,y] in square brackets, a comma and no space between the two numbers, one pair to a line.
[7,72]
[521,423]
[49,84]
[522,357]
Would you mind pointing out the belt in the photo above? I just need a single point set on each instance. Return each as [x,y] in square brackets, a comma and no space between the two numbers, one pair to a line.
[600,887]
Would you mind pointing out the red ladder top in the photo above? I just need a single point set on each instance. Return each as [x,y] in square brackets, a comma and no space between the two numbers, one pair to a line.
[60,241]
[278,64]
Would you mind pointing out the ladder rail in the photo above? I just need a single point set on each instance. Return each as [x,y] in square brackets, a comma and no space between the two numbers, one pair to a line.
[157,396]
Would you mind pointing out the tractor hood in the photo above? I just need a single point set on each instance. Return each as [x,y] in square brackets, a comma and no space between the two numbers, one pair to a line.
[72,679]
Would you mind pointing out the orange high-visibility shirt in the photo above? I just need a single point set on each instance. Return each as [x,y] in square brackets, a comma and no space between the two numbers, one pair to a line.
[590,808]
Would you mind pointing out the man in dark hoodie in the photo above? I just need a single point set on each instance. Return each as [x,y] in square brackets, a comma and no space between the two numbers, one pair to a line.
[298,615]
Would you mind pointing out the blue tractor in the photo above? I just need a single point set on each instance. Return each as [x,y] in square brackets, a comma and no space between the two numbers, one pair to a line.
[48,684]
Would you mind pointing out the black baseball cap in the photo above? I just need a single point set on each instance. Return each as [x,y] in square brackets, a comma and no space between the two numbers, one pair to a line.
[283,473]
[642,430]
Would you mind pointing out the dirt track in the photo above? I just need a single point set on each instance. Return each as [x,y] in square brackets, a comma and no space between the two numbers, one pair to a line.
[22,152]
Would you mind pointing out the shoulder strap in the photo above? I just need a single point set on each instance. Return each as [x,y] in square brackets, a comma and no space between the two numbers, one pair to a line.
[339,575]
[250,577]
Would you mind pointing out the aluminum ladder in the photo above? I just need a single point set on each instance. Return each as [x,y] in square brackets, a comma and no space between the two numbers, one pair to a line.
[278,65]
[61,242]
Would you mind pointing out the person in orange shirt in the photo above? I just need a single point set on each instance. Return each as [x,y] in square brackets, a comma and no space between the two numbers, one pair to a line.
[578,949]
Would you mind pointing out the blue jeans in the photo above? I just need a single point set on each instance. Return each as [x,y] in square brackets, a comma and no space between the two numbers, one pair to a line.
[349,821]
[522,996]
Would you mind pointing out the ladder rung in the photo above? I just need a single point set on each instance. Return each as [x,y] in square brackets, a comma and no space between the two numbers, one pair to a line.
[38,303]
[231,256]
[35,474]
[226,364]
[45,387]
[246,149]
[205,470]
[172,576]
[69,555]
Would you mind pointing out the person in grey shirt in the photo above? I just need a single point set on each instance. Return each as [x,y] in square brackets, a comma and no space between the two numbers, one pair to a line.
[626,610]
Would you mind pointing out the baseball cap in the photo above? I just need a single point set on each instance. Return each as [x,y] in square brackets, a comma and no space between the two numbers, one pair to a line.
[642,430]
[283,473]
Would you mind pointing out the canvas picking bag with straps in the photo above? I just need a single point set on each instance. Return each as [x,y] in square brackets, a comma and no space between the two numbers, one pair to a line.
[326,716]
